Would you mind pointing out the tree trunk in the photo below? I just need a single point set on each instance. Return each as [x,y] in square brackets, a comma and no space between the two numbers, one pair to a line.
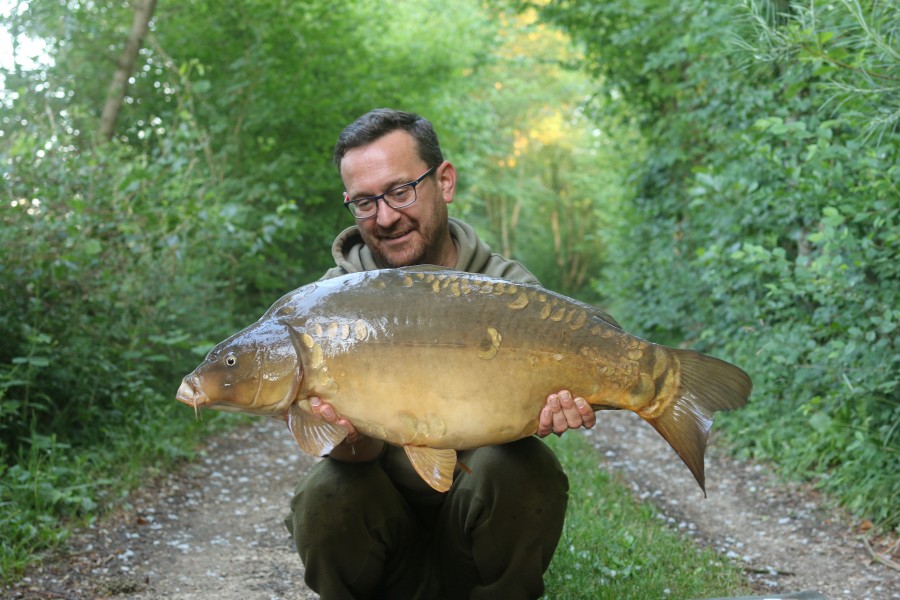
[143,11]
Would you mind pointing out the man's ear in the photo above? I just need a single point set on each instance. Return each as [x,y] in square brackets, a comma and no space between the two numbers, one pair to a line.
[446,180]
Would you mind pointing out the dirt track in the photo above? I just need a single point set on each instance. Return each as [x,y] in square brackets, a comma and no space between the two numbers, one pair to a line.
[784,536]
[214,530]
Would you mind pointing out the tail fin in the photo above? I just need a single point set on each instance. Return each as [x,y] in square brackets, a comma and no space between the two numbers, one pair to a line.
[706,385]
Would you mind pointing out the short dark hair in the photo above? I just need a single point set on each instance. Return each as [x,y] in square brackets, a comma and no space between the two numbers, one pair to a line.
[381,121]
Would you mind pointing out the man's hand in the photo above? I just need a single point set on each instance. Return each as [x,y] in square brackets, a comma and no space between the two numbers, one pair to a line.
[562,412]
[325,411]
[355,447]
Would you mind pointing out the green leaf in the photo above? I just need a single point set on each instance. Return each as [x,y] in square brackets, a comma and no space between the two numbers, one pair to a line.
[820,422]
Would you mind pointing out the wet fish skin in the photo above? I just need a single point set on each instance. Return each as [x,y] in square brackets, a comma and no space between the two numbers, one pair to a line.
[437,361]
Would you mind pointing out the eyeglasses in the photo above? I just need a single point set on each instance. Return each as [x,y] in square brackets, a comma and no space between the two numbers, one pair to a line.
[398,197]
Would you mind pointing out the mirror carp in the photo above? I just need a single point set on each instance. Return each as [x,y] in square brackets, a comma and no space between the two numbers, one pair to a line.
[437,360]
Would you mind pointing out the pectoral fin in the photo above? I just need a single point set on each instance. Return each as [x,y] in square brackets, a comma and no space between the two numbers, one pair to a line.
[314,435]
[433,465]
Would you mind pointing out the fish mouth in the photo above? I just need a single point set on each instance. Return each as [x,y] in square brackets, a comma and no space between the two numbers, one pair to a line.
[190,393]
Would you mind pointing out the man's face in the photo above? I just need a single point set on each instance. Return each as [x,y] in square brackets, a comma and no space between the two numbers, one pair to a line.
[416,234]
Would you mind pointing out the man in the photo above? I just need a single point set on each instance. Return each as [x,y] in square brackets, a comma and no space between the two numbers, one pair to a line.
[365,524]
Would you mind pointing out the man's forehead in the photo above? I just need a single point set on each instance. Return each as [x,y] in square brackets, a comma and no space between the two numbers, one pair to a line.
[391,159]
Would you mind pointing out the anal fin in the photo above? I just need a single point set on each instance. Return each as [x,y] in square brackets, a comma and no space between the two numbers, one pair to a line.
[434,465]
[315,436]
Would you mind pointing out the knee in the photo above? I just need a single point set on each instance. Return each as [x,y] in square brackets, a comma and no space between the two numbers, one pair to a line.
[526,467]
[505,519]
[337,499]
[349,523]
[520,484]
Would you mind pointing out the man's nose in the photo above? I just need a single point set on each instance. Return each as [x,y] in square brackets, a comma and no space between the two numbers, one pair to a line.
[385,215]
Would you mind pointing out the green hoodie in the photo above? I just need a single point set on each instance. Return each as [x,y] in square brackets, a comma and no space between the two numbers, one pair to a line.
[351,255]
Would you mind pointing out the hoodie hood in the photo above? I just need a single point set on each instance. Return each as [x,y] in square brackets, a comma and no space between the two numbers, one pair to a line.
[351,255]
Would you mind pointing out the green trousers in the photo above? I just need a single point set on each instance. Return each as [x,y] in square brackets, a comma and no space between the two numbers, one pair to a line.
[370,530]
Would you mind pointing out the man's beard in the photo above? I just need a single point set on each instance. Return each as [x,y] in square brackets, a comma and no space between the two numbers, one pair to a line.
[419,250]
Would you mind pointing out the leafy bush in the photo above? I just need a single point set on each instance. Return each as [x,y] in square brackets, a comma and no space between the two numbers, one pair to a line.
[110,269]
[763,225]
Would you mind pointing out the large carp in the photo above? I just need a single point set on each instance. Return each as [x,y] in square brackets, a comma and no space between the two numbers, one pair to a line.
[437,361]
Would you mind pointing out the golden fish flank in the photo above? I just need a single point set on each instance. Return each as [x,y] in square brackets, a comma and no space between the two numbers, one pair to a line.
[409,355]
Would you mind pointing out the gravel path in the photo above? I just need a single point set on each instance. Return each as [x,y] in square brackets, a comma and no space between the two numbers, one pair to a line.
[214,530]
[783,535]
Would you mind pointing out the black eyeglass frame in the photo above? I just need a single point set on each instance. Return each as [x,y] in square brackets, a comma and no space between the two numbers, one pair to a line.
[411,184]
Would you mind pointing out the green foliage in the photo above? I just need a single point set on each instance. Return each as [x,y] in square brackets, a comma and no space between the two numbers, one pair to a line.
[852,47]
[105,298]
[538,176]
[764,222]
[613,548]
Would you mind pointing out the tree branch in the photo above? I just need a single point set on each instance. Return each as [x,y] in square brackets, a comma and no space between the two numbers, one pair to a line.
[143,11]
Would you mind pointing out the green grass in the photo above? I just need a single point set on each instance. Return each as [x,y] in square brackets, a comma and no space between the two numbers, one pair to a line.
[616,548]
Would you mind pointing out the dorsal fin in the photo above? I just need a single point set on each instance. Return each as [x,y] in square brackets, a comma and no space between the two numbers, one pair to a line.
[434,465]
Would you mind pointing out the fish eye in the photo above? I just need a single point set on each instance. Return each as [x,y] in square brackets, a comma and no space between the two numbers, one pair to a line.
[230,360]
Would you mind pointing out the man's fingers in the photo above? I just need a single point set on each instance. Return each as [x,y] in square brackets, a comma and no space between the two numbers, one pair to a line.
[571,414]
[352,435]
[315,403]
[560,423]
[545,422]
[553,403]
[323,410]
[588,416]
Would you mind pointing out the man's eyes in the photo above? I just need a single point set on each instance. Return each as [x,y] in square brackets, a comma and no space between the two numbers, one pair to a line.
[399,193]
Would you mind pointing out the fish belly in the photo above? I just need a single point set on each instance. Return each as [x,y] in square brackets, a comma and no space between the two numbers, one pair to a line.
[443,399]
